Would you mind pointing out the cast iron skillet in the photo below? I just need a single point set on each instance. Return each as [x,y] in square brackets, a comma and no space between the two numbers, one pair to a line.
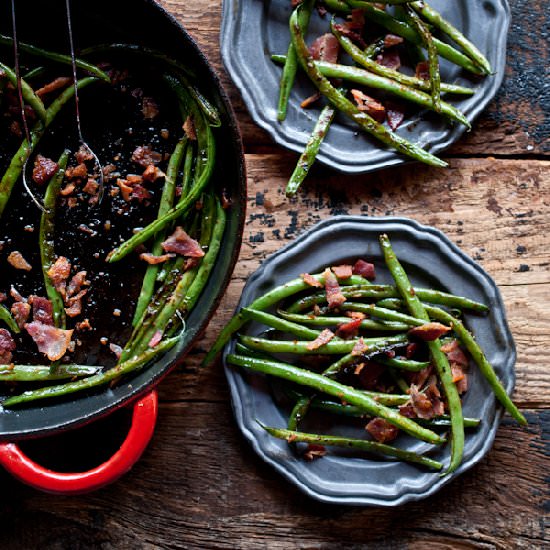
[145,23]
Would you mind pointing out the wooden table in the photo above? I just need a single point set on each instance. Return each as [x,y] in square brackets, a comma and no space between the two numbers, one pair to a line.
[200,485]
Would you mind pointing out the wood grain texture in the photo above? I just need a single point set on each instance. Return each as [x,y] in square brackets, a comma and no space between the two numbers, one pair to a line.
[200,485]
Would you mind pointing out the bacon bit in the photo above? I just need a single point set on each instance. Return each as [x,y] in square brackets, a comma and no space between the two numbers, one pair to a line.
[75,304]
[91,187]
[144,156]
[291,438]
[395,115]
[429,331]
[389,59]
[117,350]
[16,296]
[309,101]
[454,353]
[316,310]
[151,259]
[370,375]
[369,105]
[67,190]
[459,378]
[348,330]
[153,173]
[360,347]
[84,325]
[72,202]
[407,410]
[59,273]
[325,48]
[426,405]
[423,70]
[324,338]
[83,154]
[411,350]
[381,430]
[356,21]
[108,171]
[190,263]
[16,260]
[7,345]
[342,271]
[335,297]
[181,243]
[226,200]
[356,315]
[347,30]
[149,108]
[189,128]
[314,451]
[54,85]
[140,193]
[155,339]
[392,40]
[80,171]
[125,189]
[311,280]
[44,169]
[364,269]
[390,353]
[419,378]
[51,341]
[42,310]
[358,368]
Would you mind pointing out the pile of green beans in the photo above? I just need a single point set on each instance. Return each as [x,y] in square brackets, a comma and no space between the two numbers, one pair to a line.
[416,23]
[169,291]
[293,316]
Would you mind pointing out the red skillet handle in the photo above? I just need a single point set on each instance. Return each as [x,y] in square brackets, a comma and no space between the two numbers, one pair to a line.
[23,468]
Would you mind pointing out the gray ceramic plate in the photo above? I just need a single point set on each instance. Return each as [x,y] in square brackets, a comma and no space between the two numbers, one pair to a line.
[431,259]
[252,30]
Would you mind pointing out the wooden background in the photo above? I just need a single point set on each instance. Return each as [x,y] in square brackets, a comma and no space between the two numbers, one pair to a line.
[199,485]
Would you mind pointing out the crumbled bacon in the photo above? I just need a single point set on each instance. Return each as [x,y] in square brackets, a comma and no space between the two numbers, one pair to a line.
[369,105]
[144,156]
[314,451]
[59,273]
[423,70]
[360,347]
[83,325]
[395,115]
[410,350]
[181,243]
[20,312]
[16,260]
[153,173]
[426,405]
[67,190]
[309,101]
[189,128]
[324,338]
[454,353]
[325,48]
[155,339]
[79,171]
[44,169]
[7,345]
[42,310]
[108,171]
[356,315]
[74,303]
[392,40]
[419,378]
[51,341]
[149,108]
[83,154]
[151,259]
[347,29]
[53,86]
[429,331]
[311,280]
[364,269]
[342,271]
[370,374]
[382,430]
[390,59]
[459,378]
[125,189]
[348,330]
[140,193]
[91,187]
[16,296]
[335,297]
[77,282]
[116,349]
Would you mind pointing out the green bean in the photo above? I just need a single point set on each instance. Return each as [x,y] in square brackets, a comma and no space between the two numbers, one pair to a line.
[366,122]
[57,57]
[38,373]
[433,59]
[334,369]
[187,170]
[166,203]
[435,18]
[265,302]
[399,380]
[331,387]
[362,59]
[298,412]
[243,350]
[337,6]
[359,444]
[205,166]
[382,313]
[94,381]
[321,321]
[47,240]
[445,421]
[27,92]
[307,158]
[280,324]
[301,347]
[34,73]
[6,316]
[13,172]
[403,364]
[291,64]
[477,354]
[378,292]
[439,358]
[404,30]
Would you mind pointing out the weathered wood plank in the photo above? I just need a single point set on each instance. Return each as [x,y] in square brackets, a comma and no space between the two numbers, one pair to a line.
[517,122]
[199,485]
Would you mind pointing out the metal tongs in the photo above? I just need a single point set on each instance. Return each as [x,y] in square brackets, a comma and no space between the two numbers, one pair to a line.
[98,170]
